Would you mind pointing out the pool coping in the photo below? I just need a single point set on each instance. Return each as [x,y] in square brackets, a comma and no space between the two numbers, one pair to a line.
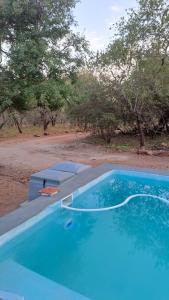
[30,209]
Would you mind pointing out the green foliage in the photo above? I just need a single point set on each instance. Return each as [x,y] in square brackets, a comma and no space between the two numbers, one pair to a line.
[92,109]
[131,89]
[50,94]
[41,59]
[137,65]
[39,52]
[84,87]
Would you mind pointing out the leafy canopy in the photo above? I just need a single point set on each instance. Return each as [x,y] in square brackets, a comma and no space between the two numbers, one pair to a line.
[38,50]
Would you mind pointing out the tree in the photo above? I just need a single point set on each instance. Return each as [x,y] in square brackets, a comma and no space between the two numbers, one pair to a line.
[51,96]
[37,44]
[136,62]
[91,107]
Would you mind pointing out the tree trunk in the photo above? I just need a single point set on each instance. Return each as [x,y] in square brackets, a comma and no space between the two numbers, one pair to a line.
[45,125]
[53,122]
[141,132]
[108,139]
[167,128]
[45,120]
[17,124]
[4,121]
[53,118]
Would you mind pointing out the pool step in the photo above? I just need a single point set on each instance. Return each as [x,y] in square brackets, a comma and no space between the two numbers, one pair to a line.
[20,280]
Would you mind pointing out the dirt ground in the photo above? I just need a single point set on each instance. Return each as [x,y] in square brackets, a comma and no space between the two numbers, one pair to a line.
[19,158]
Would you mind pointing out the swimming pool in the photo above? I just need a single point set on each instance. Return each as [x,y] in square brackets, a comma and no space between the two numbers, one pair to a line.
[121,254]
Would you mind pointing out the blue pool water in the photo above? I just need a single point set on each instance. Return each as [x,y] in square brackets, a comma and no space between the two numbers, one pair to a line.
[121,254]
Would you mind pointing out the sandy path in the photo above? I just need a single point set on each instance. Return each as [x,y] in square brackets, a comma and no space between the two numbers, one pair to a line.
[39,153]
[19,158]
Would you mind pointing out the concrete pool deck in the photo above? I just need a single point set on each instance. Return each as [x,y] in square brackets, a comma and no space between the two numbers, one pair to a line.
[30,209]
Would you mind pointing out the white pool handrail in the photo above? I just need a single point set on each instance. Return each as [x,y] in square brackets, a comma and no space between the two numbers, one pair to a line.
[127,200]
